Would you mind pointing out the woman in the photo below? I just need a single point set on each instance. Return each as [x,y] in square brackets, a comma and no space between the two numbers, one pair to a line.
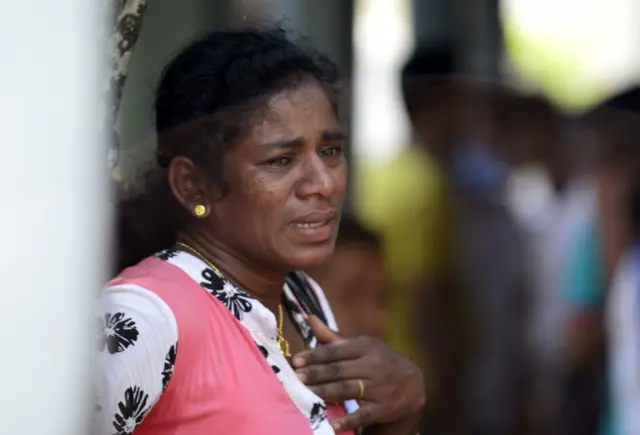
[211,332]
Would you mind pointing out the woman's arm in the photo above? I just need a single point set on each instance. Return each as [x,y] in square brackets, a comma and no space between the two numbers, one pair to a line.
[136,344]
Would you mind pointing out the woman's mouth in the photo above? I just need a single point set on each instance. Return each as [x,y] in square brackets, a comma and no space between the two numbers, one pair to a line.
[305,225]
[314,227]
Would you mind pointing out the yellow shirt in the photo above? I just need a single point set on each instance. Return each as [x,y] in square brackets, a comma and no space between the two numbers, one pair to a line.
[405,201]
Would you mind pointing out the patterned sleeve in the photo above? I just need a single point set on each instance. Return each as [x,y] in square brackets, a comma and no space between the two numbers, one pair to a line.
[136,343]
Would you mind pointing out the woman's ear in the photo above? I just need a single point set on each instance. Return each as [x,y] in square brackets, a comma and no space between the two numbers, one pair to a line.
[189,186]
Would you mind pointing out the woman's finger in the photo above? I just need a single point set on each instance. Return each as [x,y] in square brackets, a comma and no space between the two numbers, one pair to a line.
[321,331]
[363,417]
[344,349]
[331,372]
[336,392]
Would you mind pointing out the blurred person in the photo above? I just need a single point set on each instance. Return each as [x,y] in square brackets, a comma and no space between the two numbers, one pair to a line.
[550,204]
[596,248]
[615,122]
[617,227]
[583,410]
[586,407]
[354,280]
[406,201]
[489,260]
[207,329]
[623,318]
[583,292]
[490,266]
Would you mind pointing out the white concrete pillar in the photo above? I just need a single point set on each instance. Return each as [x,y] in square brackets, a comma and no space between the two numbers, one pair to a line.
[54,221]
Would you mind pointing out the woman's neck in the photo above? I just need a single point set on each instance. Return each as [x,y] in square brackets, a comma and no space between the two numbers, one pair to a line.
[257,281]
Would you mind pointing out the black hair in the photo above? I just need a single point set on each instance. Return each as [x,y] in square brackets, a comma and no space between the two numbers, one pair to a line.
[353,233]
[207,95]
[435,62]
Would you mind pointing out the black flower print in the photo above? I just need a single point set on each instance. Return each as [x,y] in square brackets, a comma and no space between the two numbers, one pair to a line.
[116,332]
[167,254]
[132,411]
[318,415]
[169,363]
[263,350]
[265,353]
[237,301]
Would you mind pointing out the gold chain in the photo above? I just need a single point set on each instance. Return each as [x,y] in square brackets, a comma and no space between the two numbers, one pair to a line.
[197,253]
[283,344]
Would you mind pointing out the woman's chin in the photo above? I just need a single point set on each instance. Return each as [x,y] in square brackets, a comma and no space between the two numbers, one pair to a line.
[309,256]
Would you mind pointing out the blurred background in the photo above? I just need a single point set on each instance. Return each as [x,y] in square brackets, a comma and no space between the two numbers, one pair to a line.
[494,155]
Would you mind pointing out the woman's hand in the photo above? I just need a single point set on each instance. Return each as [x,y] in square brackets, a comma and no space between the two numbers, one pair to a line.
[388,386]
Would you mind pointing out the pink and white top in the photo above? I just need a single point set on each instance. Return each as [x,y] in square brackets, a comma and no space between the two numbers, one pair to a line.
[184,351]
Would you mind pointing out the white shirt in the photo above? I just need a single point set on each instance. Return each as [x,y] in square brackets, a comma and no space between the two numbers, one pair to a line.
[550,222]
[129,312]
[623,327]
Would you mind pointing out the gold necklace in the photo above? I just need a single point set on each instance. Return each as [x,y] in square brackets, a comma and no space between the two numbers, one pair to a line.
[283,344]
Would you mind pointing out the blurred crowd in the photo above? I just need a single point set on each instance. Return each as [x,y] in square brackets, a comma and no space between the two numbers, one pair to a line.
[499,249]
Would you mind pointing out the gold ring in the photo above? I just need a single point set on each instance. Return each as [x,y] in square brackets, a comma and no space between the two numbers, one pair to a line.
[361,389]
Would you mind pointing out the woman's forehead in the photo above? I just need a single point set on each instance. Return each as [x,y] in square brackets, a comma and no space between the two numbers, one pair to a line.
[296,110]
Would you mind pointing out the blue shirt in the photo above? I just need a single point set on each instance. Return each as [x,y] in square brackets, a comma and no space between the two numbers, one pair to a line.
[583,281]
[583,286]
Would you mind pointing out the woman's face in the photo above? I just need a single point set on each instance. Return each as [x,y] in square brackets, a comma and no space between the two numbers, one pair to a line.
[287,180]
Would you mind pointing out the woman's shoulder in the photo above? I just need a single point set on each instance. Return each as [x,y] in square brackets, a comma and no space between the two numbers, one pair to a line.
[139,289]
[161,279]
[171,288]
[154,293]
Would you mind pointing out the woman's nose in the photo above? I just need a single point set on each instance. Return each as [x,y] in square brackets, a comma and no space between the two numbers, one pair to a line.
[316,180]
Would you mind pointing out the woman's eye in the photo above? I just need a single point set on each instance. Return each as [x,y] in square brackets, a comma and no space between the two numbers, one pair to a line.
[280,161]
[331,152]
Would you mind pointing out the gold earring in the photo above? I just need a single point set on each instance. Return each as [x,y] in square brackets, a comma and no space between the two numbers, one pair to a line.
[200,210]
